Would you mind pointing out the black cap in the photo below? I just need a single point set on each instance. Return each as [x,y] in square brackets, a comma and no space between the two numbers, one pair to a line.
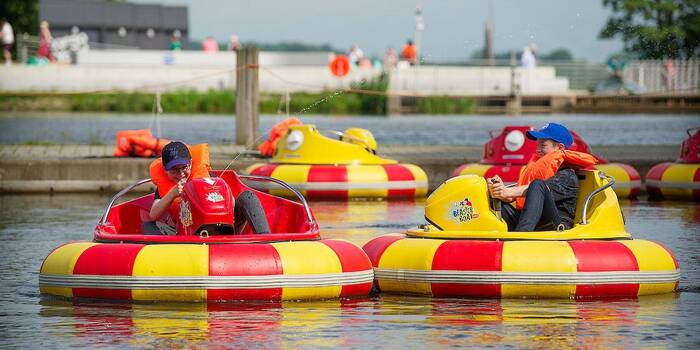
[174,154]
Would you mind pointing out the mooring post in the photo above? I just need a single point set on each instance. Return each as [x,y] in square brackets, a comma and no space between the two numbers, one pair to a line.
[247,96]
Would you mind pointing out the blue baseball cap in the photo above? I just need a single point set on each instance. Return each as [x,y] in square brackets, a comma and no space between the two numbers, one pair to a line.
[553,131]
[174,154]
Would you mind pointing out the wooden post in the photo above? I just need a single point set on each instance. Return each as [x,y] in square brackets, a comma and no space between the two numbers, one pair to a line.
[247,96]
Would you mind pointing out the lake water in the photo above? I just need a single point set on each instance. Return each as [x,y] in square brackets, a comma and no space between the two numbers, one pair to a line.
[32,225]
[596,129]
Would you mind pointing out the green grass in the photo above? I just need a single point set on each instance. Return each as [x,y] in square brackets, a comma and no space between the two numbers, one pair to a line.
[224,102]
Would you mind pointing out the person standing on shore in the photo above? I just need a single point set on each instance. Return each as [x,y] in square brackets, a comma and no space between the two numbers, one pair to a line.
[45,40]
[528,59]
[175,43]
[8,39]
[390,59]
[210,45]
[233,43]
[408,52]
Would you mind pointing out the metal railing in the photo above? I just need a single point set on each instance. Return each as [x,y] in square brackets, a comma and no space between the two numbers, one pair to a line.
[309,217]
[119,195]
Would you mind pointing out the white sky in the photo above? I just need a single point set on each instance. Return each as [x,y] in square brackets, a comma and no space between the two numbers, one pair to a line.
[453,28]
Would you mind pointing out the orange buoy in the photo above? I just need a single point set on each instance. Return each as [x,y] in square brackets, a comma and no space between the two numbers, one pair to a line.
[340,66]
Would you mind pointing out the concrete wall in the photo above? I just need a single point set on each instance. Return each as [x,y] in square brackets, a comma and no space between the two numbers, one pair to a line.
[476,81]
[199,59]
[280,72]
[89,79]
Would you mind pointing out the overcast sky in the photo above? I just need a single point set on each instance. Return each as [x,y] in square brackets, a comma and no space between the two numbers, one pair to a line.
[453,28]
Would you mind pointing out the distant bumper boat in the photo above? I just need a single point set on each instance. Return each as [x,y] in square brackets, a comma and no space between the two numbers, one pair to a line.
[324,168]
[210,263]
[506,153]
[680,179]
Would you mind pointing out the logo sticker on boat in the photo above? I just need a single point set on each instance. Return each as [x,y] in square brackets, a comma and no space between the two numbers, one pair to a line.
[463,211]
[185,214]
[214,197]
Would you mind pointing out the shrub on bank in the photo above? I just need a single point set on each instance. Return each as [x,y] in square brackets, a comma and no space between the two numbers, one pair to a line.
[224,102]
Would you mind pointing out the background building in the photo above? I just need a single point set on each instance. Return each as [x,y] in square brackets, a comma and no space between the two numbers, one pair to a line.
[117,23]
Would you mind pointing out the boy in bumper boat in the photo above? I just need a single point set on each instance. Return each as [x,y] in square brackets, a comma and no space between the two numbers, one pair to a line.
[546,195]
[171,172]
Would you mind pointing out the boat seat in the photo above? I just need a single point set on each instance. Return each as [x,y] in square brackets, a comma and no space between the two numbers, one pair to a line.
[601,205]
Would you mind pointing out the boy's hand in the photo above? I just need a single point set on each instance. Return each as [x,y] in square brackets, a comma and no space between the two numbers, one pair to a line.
[496,187]
[180,185]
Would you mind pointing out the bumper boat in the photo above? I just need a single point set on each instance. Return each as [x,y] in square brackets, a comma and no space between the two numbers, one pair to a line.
[466,250]
[348,167]
[506,154]
[204,260]
[680,179]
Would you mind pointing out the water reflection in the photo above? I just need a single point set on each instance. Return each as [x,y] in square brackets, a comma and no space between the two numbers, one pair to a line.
[359,221]
[30,226]
[382,321]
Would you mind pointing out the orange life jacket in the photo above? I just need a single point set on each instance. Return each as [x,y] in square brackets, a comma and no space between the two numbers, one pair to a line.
[138,143]
[267,148]
[200,169]
[542,168]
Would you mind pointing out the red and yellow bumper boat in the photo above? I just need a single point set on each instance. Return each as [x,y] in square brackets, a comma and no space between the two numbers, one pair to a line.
[205,261]
[344,168]
[680,179]
[466,251]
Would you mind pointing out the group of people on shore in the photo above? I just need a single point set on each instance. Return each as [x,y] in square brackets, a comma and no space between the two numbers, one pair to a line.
[407,57]
[7,37]
[209,44]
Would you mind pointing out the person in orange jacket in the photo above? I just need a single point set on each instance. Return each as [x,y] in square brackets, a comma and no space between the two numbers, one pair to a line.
[177,168]
[547,189]
[408,52]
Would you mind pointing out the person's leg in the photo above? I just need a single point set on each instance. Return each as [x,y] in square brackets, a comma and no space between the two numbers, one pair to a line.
[150,228]
[540,210]
[248,209]
[510,215]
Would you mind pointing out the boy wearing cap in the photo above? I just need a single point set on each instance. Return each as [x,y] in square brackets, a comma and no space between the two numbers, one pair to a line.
[179,167]
[547,189]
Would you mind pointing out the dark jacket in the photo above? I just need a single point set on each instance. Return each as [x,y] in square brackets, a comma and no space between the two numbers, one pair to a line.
[564,188]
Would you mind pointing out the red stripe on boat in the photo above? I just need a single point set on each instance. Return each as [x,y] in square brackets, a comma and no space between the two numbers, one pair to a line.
[597,256]
[244,260]
[264,170]
[398,172]
[327,173]
[109,260]
[655,173]
[376,247]
[351,259]
[468,256]
[696,179]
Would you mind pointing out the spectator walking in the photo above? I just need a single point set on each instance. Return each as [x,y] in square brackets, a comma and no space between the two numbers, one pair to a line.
[8,39]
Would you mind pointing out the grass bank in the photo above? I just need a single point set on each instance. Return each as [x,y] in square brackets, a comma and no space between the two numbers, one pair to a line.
[224,102]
